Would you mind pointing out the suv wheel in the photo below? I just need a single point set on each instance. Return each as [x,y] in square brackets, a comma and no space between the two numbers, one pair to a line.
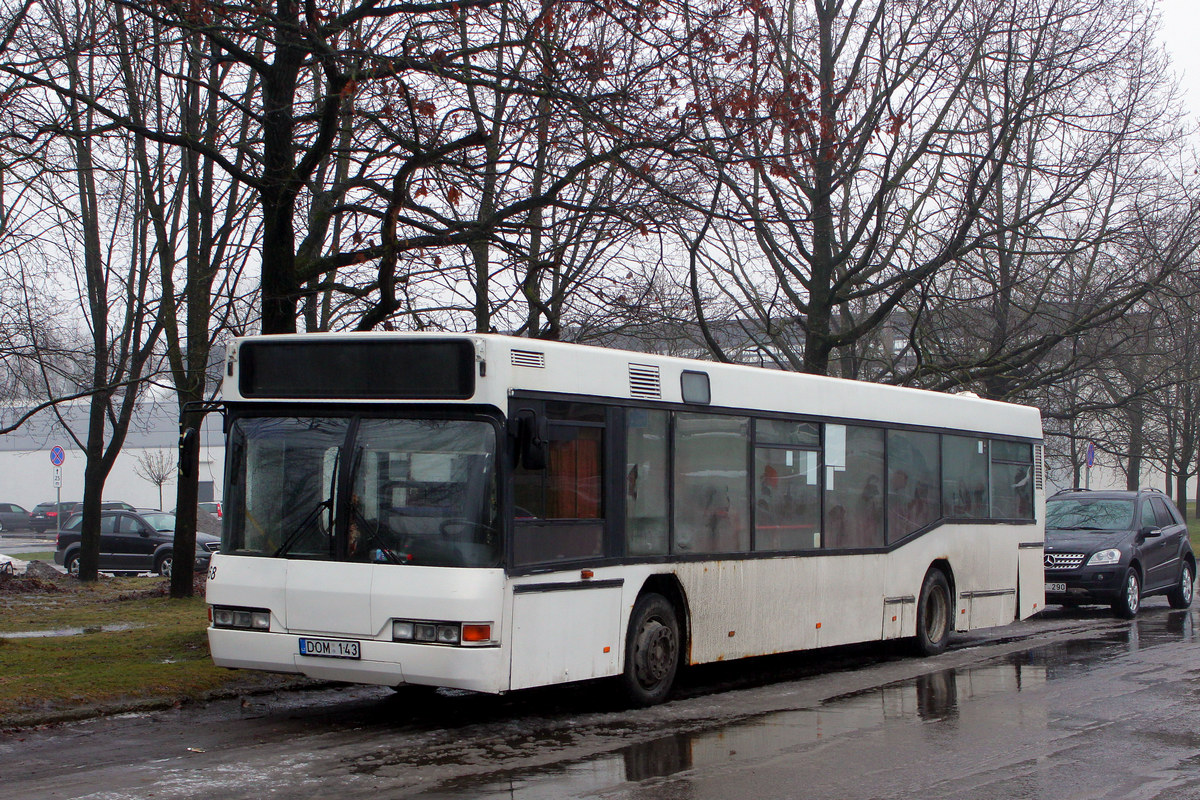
[163,567]
[72,563]
[1181,595]
[1126,607]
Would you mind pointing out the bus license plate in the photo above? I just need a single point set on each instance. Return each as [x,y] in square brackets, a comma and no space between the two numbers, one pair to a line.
[1056,587]
[329,648]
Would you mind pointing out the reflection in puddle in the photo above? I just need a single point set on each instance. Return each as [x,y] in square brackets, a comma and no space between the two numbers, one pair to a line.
[935,697]
[658,758]
[944,699]
[121,626]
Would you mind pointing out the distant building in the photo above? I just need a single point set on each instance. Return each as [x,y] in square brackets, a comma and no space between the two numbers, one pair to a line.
[27,475]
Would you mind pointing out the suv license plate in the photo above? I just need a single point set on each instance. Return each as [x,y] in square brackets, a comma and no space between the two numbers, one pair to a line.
[1056,587]
[329,648]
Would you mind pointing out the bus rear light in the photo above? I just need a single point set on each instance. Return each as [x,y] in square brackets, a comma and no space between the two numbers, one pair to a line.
[446,633]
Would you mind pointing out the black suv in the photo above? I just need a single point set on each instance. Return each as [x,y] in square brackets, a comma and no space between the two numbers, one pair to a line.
[50,515]
[132,542]
[1116,547]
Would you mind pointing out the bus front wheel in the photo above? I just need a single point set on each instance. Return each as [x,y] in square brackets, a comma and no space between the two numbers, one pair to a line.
[651,650]
[934,614]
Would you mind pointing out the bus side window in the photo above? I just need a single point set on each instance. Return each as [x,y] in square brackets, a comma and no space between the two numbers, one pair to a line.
[1012,480]
[914,499]
[712,498]
[965,477]
[787,485]
[646,466]
[854,512]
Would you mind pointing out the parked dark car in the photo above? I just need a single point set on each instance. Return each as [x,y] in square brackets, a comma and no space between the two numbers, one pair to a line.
[1116,547]
[114,505]
[207,506]
[14,518]
[50,515]
[132,542]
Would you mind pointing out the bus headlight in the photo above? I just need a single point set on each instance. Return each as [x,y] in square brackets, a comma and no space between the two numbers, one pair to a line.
[460,634]
[250,619]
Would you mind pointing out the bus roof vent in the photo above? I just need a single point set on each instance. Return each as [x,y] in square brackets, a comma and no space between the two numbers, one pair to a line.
[1039,467]
[528,358]
[644,382]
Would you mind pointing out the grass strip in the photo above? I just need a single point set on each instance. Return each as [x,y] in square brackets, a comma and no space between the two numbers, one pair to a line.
[156,656]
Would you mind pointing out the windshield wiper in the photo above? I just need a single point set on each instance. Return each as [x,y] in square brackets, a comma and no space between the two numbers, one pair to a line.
[300,529]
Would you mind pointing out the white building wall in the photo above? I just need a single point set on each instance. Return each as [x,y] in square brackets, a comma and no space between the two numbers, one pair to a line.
[27,475]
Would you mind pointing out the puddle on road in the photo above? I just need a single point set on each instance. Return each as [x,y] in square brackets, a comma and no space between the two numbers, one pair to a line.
[86,629]
[936,697]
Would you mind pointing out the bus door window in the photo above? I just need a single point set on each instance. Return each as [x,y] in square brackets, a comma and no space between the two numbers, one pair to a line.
[854,503]
[1012,480]
[559,510]
[787,493]
[965,477]
[914,480]
[647,462]
[712,499]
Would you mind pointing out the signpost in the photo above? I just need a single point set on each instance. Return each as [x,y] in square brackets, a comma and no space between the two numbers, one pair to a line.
[1090,459]
[57,457]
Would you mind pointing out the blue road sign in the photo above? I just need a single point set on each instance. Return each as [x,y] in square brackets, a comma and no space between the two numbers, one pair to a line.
[57,456]
[1091,454]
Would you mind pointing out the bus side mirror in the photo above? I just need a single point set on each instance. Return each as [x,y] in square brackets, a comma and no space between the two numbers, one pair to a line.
[531,433]
[189,451]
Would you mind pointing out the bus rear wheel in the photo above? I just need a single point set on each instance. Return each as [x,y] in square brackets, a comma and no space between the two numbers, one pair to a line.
[934,614]
[651,650]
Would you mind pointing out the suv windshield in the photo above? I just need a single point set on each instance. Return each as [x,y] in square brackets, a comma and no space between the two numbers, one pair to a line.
[398,491]
[1091,514]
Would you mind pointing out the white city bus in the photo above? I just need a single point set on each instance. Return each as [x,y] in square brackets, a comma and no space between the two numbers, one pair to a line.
[493,513]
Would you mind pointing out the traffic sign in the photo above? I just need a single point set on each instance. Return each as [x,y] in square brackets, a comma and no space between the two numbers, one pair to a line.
[58,477]
[1091,454]
[57,456]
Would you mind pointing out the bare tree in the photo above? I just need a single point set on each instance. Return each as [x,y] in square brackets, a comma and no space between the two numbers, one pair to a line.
[157,467]
[354,114]
[95,201]
[882,157]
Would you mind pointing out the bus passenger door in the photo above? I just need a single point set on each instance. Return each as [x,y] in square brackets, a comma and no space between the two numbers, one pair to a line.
[565,632]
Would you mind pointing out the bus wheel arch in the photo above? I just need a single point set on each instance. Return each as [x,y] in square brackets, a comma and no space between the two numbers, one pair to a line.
[656,641]
[935,609]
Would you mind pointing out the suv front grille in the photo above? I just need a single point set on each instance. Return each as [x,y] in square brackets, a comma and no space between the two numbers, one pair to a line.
[1063,561]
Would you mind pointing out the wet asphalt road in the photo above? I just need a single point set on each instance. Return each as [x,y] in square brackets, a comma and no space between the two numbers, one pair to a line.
[1069,705]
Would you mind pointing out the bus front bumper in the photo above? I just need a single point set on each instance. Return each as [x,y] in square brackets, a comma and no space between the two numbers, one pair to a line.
[477,669]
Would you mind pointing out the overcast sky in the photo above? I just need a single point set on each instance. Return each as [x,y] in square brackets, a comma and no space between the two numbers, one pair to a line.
[1180,26]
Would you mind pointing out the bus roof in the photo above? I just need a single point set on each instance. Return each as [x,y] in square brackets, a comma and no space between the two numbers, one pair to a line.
[506,364]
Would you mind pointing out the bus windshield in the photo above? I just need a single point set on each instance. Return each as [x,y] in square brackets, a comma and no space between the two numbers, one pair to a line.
[391,491]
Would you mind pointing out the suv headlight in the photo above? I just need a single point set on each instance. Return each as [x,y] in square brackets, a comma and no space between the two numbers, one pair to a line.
[1110,556]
